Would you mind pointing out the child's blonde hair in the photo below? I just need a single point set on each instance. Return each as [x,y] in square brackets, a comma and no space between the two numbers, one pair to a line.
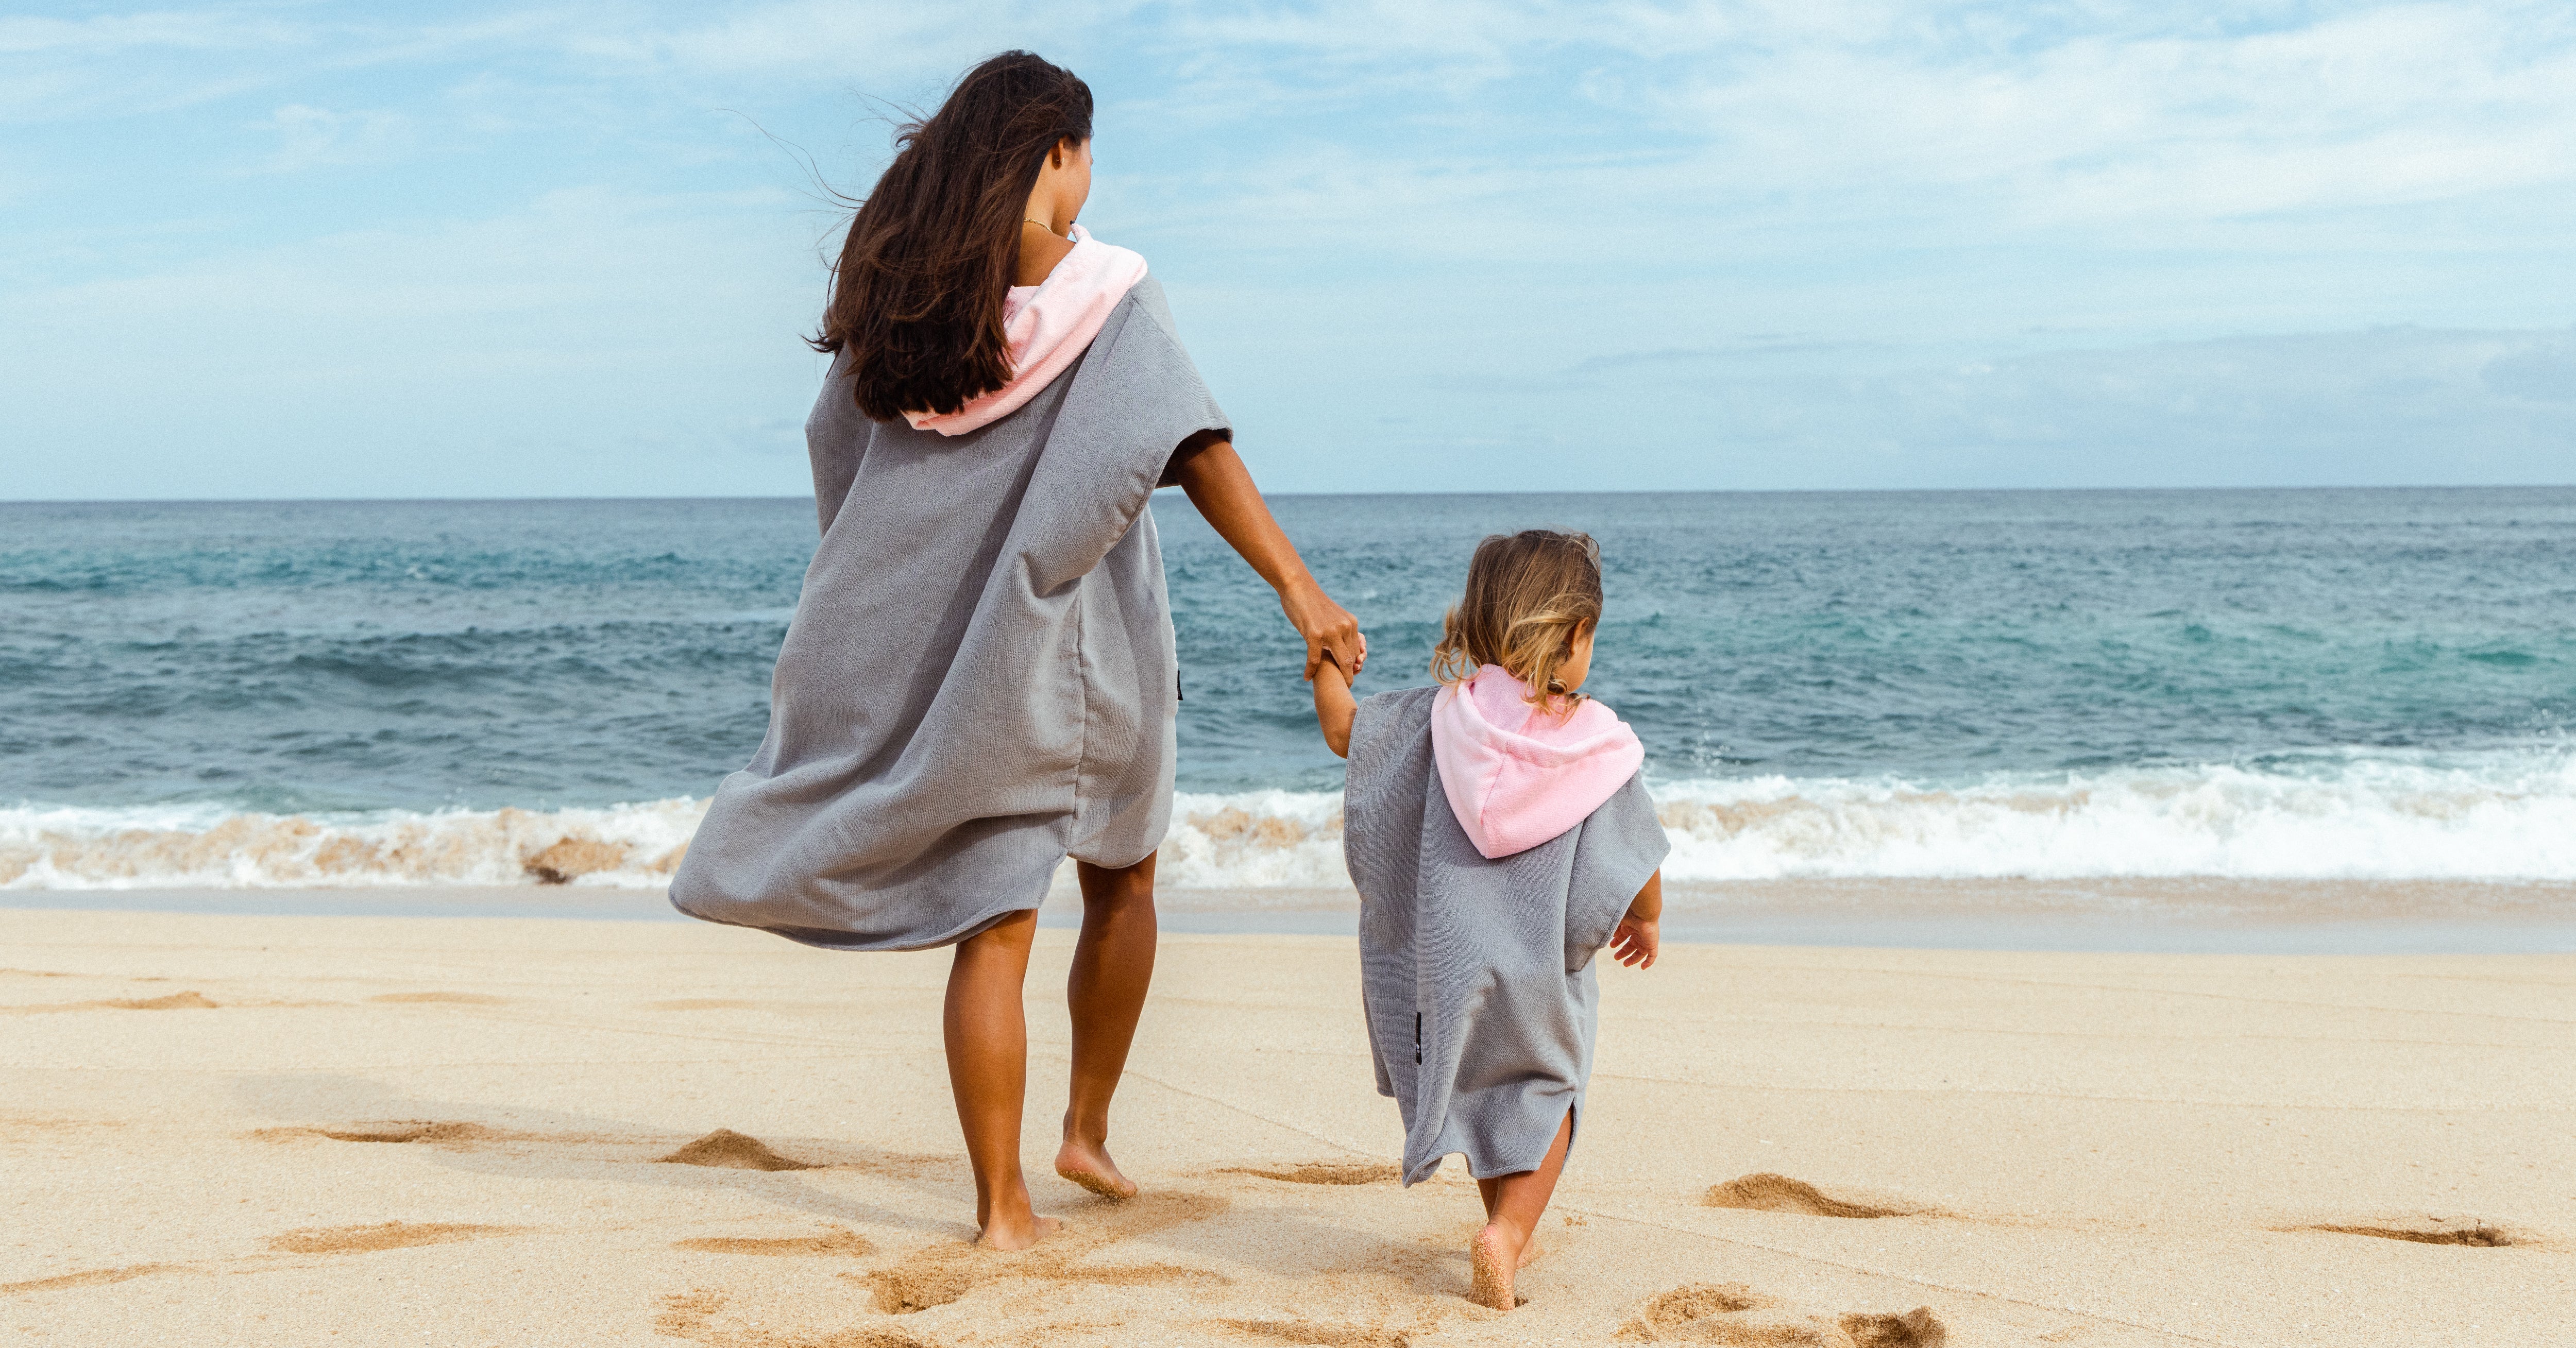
[1528,596]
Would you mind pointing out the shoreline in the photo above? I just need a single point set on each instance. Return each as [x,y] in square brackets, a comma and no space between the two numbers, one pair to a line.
[2180,916]
[258,1129]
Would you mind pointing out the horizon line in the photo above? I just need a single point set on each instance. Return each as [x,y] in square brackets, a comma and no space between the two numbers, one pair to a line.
[1325,495]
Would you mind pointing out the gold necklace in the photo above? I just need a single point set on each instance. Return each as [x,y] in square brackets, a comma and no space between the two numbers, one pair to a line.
[1033,220]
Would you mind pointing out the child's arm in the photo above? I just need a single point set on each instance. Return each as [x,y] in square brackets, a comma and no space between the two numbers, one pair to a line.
[1640,933]
[1334,706]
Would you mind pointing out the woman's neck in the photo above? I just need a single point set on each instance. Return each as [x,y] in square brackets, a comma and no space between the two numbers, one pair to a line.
[1040,249]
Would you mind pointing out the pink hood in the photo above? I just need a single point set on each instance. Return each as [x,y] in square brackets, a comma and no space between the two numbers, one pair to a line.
[1050,325]
[1518,777]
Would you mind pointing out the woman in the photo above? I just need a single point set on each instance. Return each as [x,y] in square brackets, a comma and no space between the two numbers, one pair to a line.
[980,678]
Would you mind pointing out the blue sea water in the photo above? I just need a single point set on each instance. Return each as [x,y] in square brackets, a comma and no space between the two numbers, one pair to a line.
[2369,682]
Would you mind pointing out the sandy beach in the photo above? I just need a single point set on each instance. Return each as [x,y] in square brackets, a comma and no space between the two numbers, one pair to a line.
[240,1129]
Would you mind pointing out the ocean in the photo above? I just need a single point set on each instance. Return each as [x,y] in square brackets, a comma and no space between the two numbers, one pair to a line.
[2312,684]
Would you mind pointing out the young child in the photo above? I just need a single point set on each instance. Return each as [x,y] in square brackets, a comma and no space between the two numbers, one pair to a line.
[1500,836]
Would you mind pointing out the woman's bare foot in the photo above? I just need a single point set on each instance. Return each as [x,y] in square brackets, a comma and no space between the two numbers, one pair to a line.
[1497,1252]
[1088,1164]
[1017,1233]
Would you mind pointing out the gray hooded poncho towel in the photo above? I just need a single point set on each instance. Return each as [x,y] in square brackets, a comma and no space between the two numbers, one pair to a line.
[1477,974]
[980,679]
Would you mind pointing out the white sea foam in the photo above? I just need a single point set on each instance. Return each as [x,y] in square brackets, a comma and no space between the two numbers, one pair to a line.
[189,846]
[2351,816]
[2354,815]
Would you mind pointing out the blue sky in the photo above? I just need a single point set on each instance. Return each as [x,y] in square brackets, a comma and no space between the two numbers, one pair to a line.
[294,250]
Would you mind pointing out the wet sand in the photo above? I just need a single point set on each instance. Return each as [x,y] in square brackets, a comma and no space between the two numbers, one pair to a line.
[246,1129]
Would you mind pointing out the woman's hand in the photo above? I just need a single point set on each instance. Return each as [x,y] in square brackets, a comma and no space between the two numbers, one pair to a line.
[1326,626]
[1221,487]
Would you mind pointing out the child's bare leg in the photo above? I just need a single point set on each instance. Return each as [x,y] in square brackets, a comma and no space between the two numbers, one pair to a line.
[988,1070]
[1512,1209]
[1113,961]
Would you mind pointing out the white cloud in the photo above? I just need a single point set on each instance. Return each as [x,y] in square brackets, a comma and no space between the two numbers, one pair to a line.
[309,136]
[843,40]
[2386,105]
[110,34]
[1365,209]
[528,351]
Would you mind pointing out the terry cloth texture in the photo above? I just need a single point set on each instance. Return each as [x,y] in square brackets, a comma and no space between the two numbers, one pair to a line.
[1477,973]
[979,680]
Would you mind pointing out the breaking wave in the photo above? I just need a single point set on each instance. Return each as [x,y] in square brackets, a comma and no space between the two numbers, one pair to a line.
[191,846]
[2359,814]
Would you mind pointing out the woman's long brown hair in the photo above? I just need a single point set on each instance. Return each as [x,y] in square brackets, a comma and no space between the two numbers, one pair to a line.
[917,299]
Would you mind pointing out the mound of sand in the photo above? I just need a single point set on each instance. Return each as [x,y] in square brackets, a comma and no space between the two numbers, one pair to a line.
[1766,1192]
[726,1149]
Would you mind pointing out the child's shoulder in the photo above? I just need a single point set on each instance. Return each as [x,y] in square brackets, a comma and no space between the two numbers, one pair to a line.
[1399,705]
[1385,721]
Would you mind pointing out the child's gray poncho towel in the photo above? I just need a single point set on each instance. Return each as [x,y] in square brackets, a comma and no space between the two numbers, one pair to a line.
[1477,974]
[979,680]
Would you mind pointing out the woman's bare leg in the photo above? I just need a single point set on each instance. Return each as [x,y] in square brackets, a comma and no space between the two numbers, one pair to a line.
[1112,964]
[988,1070]
[1513,1205]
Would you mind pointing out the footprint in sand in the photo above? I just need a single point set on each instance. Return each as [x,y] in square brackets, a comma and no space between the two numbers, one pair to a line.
[383,1236]
[726,1149]
[838,1241]
[450,998]
[2428,1231]
[1323,1172]
[177,1001]
[1734,1313]
[1308,1332]
[691,1315]
[94,1278]
[1766,1192]
[403,1130]
[938,1274]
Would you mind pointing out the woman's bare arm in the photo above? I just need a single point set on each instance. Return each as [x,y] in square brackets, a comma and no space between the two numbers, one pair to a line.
[1221,487]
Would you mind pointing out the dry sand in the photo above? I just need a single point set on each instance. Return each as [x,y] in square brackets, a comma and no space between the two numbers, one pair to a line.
[363,1130]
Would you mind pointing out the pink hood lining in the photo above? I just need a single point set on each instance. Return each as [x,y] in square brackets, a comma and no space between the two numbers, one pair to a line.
[1050,325]
[1516,776]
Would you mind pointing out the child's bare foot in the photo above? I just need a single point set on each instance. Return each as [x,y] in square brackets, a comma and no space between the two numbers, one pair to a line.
[1497,1252]
[1529,1250]
[1017,1233]
[1088,1164]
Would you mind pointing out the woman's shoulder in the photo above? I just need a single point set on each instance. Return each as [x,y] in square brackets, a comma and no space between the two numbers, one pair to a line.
[1147,297]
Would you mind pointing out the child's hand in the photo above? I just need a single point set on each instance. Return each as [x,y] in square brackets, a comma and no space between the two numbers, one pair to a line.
[1640,933]
[1334,706]
[1636,941]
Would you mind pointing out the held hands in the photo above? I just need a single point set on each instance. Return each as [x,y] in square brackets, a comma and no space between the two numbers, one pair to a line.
[1326,626]
[1221,489]
[1636,941]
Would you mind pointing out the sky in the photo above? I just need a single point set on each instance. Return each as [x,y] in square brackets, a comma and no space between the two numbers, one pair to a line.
[496,250]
